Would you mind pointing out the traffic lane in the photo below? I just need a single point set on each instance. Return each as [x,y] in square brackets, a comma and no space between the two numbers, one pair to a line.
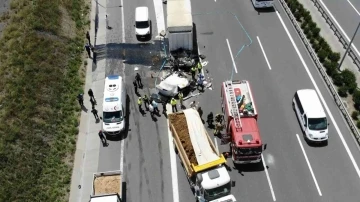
[147,157]
[355,3]
[346,16]
[321,159]
[273,93]
[251,180]
[287,169]
[251,183]
[129,12]
[109,156]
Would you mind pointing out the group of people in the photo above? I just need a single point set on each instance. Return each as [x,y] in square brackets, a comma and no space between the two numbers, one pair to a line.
[201,78]
[93,102]
[219,126]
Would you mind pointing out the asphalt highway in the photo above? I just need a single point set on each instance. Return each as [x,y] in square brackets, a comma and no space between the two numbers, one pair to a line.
[347,15]
[144,153]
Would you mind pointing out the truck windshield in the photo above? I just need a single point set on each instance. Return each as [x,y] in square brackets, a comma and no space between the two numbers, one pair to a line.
[142,24]
[113,117]
[317,123]
[250,151]
[218,192]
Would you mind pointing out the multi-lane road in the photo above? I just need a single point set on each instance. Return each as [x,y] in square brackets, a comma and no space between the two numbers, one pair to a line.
[276,64]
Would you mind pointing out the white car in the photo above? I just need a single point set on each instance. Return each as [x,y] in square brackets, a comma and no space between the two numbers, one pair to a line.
[142,22]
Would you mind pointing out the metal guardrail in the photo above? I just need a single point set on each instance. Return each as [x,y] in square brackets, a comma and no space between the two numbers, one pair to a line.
[337,33]
[322,70]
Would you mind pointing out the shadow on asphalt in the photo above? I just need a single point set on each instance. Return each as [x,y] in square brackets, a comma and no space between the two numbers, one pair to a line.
[265,10]
[123,192]
[147,54]
[246,168]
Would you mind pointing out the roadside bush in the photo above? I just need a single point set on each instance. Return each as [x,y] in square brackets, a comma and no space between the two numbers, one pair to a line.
[349,79]
[322,54]
[316,47]
[342,91]
[358,124]
[337,79]
[307,16]
[355,115]
[304,24]
[315,32]
[334,56]
[312,24]
[312,40]
[327,64]
[356,98]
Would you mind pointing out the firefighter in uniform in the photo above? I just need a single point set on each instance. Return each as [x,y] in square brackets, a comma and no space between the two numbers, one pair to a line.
[193,72]
[218,128]
[218,118]
[210,119]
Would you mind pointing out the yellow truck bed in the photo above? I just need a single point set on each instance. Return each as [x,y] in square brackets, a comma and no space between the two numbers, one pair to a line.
[178,127]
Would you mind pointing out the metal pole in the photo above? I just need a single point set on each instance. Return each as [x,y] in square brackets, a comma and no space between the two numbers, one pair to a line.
[347,49]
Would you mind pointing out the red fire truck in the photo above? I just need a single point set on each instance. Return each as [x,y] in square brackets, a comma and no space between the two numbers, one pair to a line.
[240,116]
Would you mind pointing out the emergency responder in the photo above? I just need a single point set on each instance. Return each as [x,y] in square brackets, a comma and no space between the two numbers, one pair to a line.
[218,118]
[218,128]
[193,72]
[181,97]
[146,101]
[138,79]
[210,119]
[135,86]
[200,111]
[199,67]
[80,98]
[173,105]
[155,106]
[140,103]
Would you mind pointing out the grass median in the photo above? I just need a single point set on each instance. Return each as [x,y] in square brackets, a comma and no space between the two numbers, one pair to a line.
[41,73]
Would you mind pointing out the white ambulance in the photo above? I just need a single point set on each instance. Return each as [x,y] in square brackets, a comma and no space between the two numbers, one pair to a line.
[114,105]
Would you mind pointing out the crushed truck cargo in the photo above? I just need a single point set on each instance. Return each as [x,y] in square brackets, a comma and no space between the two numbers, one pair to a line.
[107,187]
[203,165]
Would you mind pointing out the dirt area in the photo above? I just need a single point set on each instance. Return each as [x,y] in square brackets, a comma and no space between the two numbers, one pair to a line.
[180,125]
[107,184]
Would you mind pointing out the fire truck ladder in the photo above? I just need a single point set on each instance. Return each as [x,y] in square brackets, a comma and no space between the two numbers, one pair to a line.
[233,104]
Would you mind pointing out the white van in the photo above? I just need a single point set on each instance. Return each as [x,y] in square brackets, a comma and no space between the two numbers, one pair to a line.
[311,115]
[142,22]
[114,105]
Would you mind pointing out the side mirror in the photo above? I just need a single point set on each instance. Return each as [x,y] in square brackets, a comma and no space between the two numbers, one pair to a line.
[232,183]
[265,145]
[328,124]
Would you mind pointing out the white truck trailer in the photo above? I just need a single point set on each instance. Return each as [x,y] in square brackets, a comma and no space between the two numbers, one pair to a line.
[107,187]
[203,164]
[179,25]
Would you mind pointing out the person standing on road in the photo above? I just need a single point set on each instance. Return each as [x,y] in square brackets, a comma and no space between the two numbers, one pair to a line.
[81,99]
[95,112]
[151,109]
[140,103]
[138,79]
[218,118]
[199,67]
[181,97]
[173,105]
[91,95]
[87,48]
[210,119]
[92,103]
[218,129]
[164,107]
[102,137]
[193,72]
[88,37]
[155,105]
[146,101]
[200,111]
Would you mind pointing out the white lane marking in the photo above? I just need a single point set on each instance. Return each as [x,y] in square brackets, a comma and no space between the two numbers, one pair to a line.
[262,49]
[321,97]
[122,21]
[353,7]
[159,13]
[268,178]
[174,177]
[308,163]
[341,29]
[232,57]
[216,145]
[122,155]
